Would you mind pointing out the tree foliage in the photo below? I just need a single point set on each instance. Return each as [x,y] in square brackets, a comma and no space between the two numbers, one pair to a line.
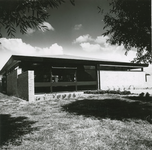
[129,23]
[25,14]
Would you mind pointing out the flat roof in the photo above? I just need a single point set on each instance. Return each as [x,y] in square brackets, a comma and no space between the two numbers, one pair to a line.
[15,59]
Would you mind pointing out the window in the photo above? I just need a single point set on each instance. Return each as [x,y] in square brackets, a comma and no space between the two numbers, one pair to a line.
[65,78]
[86,73]
[63,74]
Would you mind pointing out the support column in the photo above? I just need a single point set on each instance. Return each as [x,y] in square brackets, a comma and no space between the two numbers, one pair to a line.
[98,80]
[31,86]
[51,80]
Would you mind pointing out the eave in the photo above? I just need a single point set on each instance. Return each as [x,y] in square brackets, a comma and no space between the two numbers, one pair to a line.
[15,59]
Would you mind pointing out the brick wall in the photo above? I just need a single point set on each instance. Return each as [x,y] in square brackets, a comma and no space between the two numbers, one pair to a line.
[26,85]
[0,85]
[121,80]
[12,83]
[21,84]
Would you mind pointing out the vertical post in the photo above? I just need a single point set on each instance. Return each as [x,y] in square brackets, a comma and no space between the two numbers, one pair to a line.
[31,86]
[99,84]
[51,79]
[76,88]
[98,77]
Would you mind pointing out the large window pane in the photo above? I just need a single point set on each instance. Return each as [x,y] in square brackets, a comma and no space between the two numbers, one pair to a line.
[86,73]
[42,73]
[63,74]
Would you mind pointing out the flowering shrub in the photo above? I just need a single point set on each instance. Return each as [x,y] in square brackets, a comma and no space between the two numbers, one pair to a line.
[108,91]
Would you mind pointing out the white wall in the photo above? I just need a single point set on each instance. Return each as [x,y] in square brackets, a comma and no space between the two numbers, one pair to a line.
[121,80]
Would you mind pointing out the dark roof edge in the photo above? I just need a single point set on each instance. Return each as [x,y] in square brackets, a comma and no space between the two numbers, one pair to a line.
[15,57]
[10,60]
[21,57]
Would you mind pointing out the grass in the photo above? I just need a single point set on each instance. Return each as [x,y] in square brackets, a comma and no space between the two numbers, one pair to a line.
[92,121]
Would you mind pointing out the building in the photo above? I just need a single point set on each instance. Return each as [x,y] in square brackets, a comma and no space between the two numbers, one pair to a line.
[24,76]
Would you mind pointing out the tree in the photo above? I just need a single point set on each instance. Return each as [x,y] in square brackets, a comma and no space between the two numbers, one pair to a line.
[129,23]
[25,14]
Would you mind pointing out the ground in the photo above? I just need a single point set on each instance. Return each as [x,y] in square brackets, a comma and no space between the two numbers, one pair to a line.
[84,122]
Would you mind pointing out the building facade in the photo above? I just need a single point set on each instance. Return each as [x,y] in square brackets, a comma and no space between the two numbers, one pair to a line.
[25,76]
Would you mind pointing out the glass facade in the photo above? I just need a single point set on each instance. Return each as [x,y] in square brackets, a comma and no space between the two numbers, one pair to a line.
[64,78]
[64,74]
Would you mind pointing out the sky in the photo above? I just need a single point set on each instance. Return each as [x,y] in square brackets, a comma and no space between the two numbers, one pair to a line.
[72,30]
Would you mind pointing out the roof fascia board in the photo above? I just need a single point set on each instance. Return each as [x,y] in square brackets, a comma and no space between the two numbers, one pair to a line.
[88,61]
[124,66]
[42,58]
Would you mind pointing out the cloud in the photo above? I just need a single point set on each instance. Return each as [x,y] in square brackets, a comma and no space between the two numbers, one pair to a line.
[83,38]
[101,39]
[90,47]
[98,43]
[118,55]
[17,46]
[99,48]
[30,30]
[88,38]
[10,47]
[54,49]
[45,26]
[77,26]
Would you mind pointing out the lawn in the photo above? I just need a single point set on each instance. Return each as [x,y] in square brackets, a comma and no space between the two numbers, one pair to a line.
[87,122]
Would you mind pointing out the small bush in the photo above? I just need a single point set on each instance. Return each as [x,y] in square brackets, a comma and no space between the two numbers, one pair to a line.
[108,92]
[58,96]
[69,96]
[125,92]
[54,96]
[38,98]
[63,96]
[141,94]
[74,95]
[87,92]
[147,95]
[118,91]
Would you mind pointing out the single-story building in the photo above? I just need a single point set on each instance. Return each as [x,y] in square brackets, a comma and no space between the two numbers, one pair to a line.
[25,76]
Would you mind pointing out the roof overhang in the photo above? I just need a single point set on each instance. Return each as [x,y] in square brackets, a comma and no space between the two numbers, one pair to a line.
[125,66]
[15,59]
[9,64]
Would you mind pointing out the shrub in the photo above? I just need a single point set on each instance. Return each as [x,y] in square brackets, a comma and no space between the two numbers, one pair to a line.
[74,95]
[38,98]
[118,91]
[54,95]
[108,92]
[58,96]
[69,96]
[147,95]
[125,92]
[141,94]
[63,96]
